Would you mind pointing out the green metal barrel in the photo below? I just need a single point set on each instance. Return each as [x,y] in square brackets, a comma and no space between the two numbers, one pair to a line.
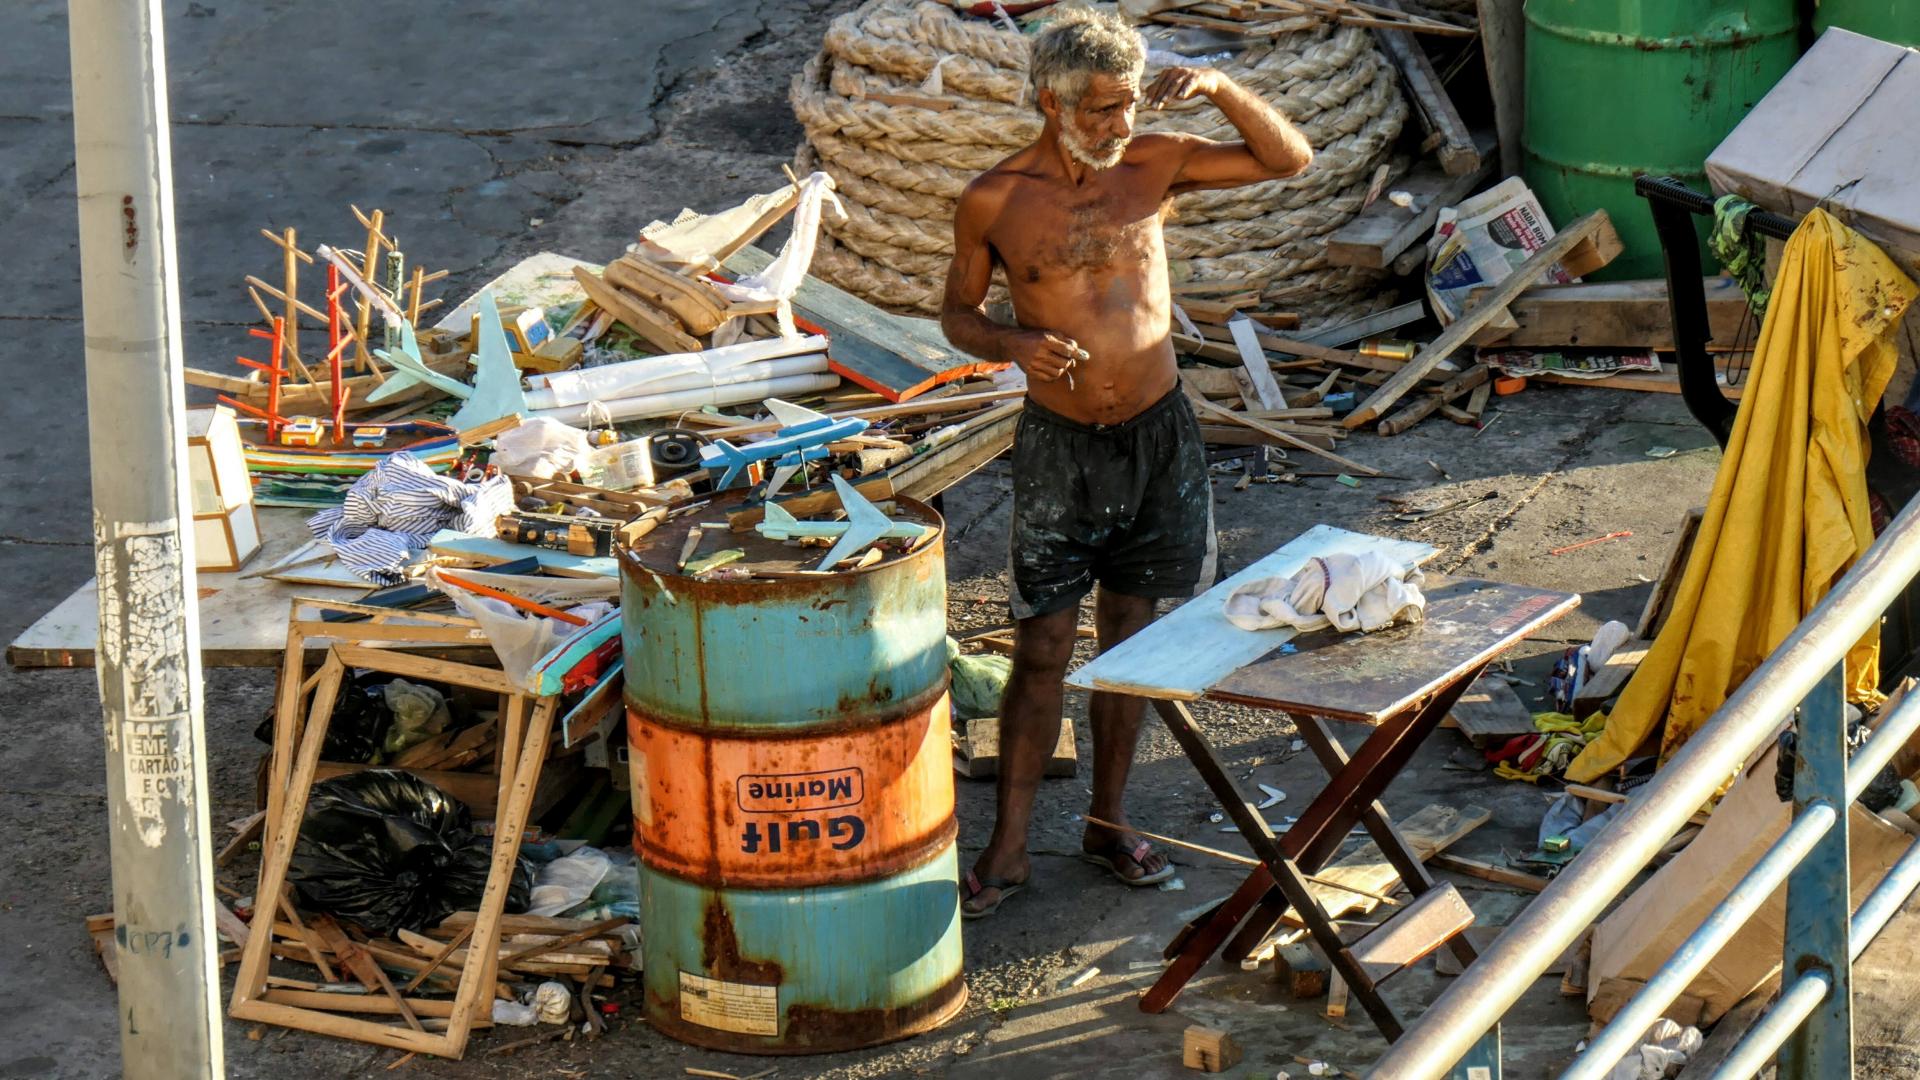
[1617,88]
[1897,21]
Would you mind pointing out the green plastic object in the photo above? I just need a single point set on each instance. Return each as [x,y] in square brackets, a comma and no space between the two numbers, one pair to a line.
[1617,88]
[1897,21]
[978,683]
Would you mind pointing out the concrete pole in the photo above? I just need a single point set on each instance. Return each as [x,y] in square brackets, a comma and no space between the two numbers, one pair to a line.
[148,659]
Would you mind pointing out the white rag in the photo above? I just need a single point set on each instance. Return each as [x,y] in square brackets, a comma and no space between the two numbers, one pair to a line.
[1348,592]
[782,277]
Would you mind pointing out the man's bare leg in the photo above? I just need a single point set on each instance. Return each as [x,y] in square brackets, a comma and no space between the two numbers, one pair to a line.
[1029,730]
[1115,719]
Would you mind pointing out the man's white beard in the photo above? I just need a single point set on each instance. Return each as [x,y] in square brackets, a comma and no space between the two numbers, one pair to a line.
[1085,155]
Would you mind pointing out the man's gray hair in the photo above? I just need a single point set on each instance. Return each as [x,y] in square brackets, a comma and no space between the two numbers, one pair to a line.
[1081,44]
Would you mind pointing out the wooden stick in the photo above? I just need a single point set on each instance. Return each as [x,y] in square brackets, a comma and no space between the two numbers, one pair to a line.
[1276,433]
[439,958]
[558,944]
[313,948]
[519,602]
[1243,860]
[1431,402]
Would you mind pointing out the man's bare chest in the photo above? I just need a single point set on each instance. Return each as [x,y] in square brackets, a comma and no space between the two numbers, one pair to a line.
[1042,236]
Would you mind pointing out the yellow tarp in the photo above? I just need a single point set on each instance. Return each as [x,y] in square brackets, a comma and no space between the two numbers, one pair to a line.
[1789,512]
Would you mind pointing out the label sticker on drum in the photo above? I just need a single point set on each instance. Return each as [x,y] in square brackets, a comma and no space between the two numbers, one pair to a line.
[785,793]
[743,1008]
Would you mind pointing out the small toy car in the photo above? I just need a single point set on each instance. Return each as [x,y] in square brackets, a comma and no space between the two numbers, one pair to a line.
[301,431]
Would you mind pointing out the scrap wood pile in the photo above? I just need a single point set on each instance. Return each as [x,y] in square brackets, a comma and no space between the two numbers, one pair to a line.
[909,100]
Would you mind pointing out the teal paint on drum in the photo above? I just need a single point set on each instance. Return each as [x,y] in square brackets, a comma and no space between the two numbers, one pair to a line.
[809,970]
[773,655]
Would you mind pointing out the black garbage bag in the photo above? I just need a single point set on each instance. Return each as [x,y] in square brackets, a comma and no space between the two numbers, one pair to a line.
[359,723]
[387,850]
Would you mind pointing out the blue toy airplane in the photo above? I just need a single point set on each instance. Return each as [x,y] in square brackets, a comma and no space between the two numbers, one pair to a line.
[803,437]
[864,525]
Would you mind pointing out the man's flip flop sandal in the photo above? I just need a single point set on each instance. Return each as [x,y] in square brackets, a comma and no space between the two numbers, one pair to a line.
[972,886]
[1138,854]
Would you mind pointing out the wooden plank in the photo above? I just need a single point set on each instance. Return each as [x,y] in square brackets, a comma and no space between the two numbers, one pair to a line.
[1467,324]
[1366,678]
[1378,234]
[492,552]
[1246,338]
[653,326]
[1503,36]
[1486,871]
[1612,675]
[925,475]
[895,356]
[1428,832]
[1413,933]
[1619,314]
[1660,601]
[1490,710]
[1181,655]
[1602,795]
[976,753]
[1431,402]
[1210,409]
[1458,154]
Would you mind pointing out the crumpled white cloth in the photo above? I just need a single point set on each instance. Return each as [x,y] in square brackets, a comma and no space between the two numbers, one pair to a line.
[782,277]
[1348,592]
[1665,1045]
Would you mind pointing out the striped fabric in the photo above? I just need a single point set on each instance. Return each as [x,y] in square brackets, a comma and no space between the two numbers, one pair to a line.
[393,510]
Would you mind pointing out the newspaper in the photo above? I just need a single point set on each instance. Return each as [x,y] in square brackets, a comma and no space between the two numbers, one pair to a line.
[1478,243]
[1571,363]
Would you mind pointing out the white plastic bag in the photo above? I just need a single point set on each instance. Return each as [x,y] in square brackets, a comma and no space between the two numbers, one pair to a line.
[567,881]
[540,447]
[620,467]
[520,638]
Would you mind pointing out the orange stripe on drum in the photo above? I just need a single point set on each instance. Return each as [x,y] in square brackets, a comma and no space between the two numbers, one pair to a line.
[788,811]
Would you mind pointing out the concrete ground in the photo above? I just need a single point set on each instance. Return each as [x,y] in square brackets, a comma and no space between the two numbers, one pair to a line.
[490,130]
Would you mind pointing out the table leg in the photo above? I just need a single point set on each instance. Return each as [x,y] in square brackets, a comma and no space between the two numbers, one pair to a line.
[1352,796]
[1277,872]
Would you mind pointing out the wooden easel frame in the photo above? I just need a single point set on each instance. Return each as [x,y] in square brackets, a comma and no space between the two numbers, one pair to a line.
[525,724]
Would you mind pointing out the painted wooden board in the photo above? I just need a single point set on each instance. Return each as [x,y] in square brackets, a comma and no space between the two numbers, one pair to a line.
[243,621]
[541,280]
[1368,678]
[1181,657]
[895,356]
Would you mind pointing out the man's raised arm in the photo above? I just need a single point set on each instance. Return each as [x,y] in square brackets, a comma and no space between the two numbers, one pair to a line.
[1272,148]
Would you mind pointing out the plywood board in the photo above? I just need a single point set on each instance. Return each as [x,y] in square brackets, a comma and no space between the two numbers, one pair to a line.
[1181,656]
[541,280]
[895,356]
[1378,234]
[243,620]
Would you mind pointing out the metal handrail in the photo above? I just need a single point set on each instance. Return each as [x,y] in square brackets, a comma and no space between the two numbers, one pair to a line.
[1545,928]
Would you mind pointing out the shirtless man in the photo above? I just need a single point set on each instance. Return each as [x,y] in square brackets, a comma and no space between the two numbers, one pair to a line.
[1109,471]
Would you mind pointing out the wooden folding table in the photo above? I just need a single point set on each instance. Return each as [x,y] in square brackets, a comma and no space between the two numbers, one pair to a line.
[1400,681]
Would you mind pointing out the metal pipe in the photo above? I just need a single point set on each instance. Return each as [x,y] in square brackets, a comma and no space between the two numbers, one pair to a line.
[1887,740]
[1624,1032]
[1887,897]
[1758,1046]
[1476,1000]
[148,661]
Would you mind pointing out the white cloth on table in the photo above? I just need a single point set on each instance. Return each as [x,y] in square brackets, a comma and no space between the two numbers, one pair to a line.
[397,507]
[1348,592]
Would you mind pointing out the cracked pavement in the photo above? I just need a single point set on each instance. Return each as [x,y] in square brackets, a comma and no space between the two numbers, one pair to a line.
[467,122]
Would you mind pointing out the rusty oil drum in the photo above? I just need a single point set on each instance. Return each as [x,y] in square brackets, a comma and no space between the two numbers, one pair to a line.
[793,798]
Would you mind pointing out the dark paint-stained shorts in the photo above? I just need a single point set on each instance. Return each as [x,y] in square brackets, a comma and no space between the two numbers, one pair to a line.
[1125,505]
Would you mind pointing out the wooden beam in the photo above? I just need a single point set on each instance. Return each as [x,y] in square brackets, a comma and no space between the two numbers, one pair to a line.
[1426,406]
[1265,428]
[1450,340]
[1378,234]
[1503,35]
[1485,871]
[1620,314]
[1458,154]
